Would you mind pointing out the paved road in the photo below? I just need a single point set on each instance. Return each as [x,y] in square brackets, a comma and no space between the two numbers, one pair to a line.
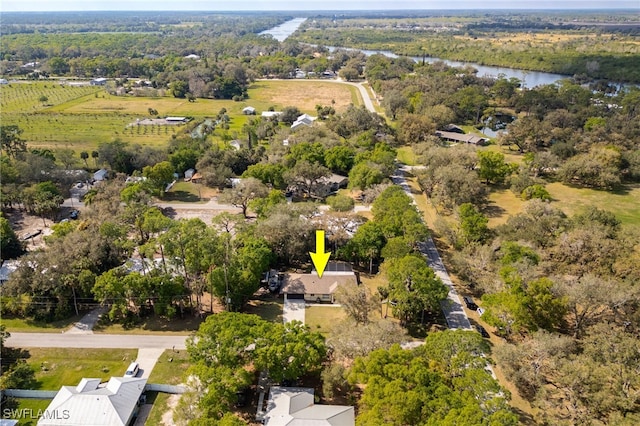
[453,311]
[115,341]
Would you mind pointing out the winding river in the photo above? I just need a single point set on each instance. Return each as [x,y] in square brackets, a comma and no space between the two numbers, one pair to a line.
[528,78]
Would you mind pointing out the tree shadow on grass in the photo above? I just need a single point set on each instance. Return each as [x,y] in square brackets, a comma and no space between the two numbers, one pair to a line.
[493,210]
[183,196]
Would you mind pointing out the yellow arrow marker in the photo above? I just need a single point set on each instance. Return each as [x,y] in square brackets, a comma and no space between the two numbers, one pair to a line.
[320,258]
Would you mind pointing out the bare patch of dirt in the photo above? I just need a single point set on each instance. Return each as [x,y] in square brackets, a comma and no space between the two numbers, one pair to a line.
[25,225]
[172,403]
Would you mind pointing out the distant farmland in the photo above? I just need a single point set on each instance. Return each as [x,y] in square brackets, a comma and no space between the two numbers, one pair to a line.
[81,117]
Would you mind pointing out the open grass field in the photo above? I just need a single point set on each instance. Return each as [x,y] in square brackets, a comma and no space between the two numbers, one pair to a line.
[625,204]
[304,94]
[55,367]
[81,117]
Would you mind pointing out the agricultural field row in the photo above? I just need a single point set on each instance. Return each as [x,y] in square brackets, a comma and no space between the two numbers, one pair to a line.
[29,97]
[82,117]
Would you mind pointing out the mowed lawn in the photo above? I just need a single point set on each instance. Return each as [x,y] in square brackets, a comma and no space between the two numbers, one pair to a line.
[55,367]
[323,318]
[625,203]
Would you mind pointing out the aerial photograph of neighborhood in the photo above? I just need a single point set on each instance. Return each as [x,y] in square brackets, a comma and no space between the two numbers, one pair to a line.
[302,214]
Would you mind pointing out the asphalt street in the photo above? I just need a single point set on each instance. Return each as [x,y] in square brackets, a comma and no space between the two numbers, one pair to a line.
[124,341]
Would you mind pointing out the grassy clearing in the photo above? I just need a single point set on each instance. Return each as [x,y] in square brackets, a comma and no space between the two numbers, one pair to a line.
[189,192]
[502,204]
[55,367]
[305,94]
[625,204]
[407,156]
[23,325]
[322,318]
[153,325]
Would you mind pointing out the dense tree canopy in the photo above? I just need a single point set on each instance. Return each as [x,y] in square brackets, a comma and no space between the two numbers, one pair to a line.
[442,382]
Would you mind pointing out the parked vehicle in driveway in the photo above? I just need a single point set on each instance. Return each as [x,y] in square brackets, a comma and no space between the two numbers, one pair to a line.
[132,370]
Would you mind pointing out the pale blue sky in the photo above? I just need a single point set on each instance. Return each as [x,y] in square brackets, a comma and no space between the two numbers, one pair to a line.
[220,5]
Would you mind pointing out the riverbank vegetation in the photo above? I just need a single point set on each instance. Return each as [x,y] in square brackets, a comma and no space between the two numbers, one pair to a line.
[598,50]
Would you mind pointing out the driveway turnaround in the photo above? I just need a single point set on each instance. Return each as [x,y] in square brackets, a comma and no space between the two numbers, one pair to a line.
[114,341]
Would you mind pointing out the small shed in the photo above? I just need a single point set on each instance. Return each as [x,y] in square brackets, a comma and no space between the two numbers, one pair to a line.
[176,119]
[98,81]
[270,114]
[100,175]
[188,174]
[249,110]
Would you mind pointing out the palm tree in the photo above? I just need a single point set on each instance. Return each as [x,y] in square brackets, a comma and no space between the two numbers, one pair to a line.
[95,155]
[84,155]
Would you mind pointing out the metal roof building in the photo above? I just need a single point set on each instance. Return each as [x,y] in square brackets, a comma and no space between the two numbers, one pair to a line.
[295,407]
[90,404]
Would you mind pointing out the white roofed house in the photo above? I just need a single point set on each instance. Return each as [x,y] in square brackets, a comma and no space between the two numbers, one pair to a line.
[91,403]
[303,120]
[270,114]
[249,110]
[296,407]
[98,81]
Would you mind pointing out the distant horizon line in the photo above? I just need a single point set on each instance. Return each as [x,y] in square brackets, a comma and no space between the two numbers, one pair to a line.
[333,10]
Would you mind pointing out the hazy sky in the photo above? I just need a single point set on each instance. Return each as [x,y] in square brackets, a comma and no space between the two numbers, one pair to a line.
[222,5]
